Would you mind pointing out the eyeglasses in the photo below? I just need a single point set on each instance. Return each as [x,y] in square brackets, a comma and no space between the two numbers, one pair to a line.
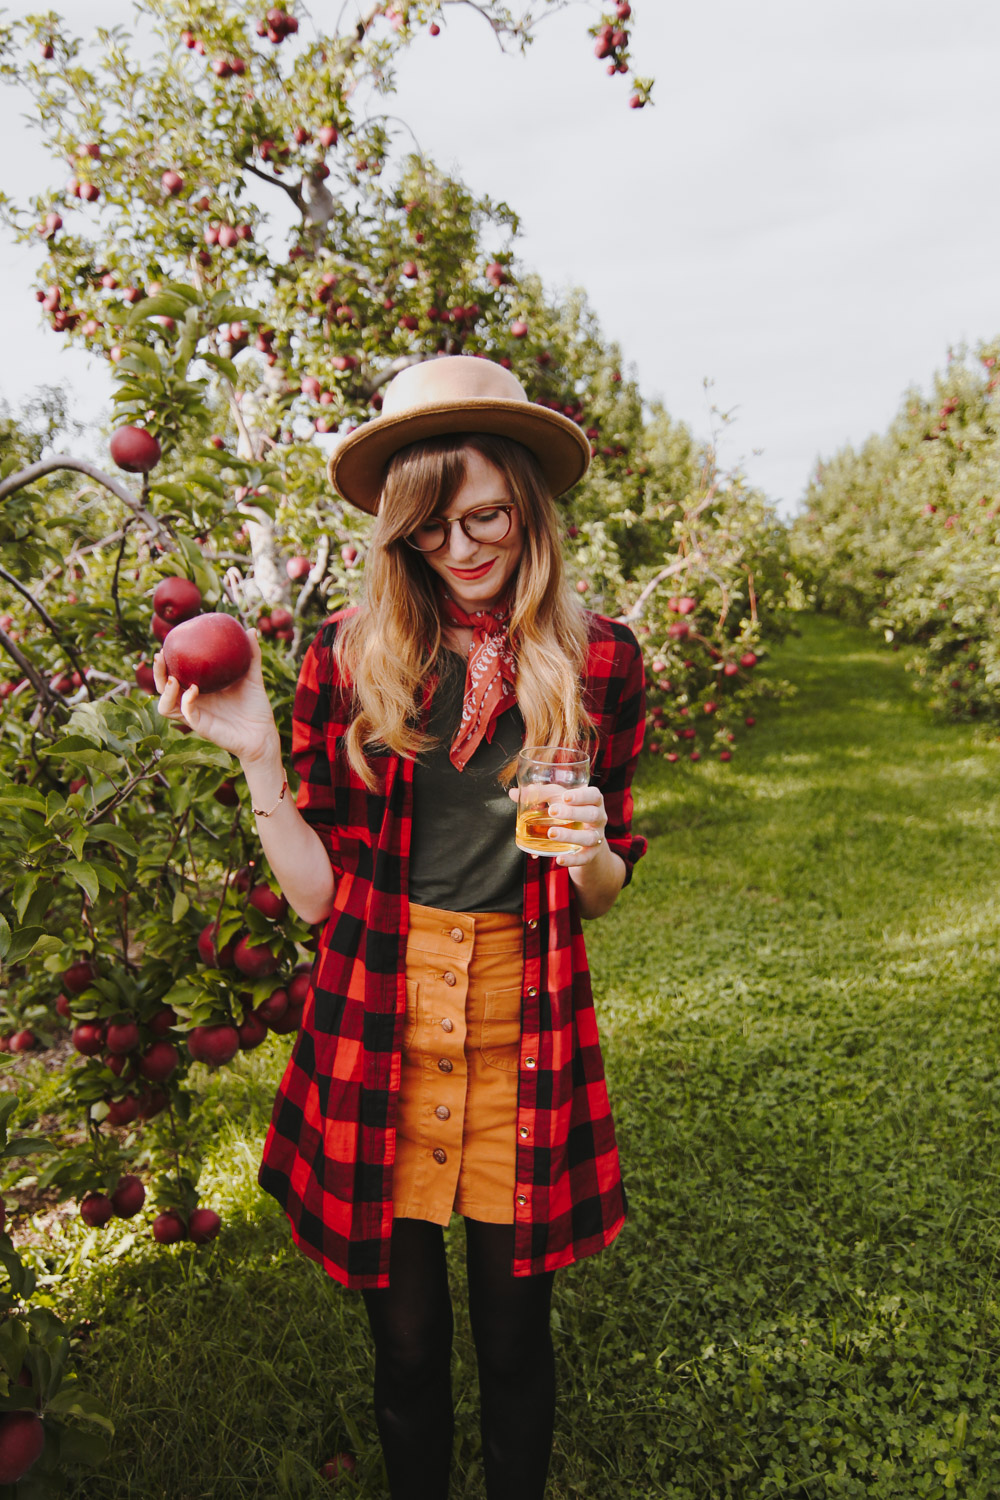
[488,523]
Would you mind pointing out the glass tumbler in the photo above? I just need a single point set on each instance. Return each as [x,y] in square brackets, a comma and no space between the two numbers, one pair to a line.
[543,771]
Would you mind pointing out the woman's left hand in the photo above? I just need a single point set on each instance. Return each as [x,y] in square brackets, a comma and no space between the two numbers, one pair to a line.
[581,804]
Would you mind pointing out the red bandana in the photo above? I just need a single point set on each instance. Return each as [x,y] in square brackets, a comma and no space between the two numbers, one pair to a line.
[490,678]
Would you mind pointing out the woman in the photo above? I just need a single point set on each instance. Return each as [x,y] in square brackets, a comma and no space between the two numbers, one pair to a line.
[448,1057]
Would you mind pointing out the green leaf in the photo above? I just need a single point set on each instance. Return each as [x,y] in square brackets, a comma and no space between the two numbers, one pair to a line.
[111,833]
[180,907]
[23,796]
[209,482]
[4,936]
[163,305]
[85,876]
[21,944]
[202,754]
[224,366]
[77,1446]
[178,493]
[27,1145]
[230,314]
[186,292]
[71,1402]
[147,356]
[24,887]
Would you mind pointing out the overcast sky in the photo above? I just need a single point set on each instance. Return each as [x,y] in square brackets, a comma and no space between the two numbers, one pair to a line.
[808,217]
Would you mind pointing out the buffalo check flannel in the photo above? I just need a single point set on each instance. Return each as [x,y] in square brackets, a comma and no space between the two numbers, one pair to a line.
[329,1152]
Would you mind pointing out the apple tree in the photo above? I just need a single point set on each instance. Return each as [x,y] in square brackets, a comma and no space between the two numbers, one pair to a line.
[902,534]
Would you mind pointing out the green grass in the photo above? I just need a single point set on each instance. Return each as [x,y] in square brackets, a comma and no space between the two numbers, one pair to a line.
[798,1001]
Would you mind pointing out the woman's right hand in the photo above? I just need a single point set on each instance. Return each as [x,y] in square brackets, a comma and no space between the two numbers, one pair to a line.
[238,718]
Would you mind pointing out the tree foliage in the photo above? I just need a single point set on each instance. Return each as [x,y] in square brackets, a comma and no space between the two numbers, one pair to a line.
[902,534]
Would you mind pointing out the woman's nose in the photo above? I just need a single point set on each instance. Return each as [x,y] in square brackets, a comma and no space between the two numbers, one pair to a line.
[460,546]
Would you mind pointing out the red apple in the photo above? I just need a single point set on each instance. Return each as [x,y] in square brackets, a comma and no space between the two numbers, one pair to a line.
[519,329]
[88,1038]
[270,905]
[22,1438]
[172,182]
[297,567]
[207,952]
[151,1102]
[340,1463]
[63,1007]
[203,1225]
[96,1210]
[227,794]
[117,1063]
[176,599]
[256,962]
[122,1111]
[169,1227]
[162,1021]
[123,1036]
[290,1021]
[23,1041]
[252,1031]
[273,1008]
[128,1197]
[299,987]
[214,1045]
[158,1061]
[327,135]
[282,619]
[135,450]
[748,659]
[211,651]
[78,976]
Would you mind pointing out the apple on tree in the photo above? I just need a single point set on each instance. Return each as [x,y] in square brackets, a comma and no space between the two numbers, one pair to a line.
[135,450]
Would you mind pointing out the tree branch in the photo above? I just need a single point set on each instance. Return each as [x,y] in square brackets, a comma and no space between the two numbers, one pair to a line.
[51,625]
[46,693]
[45,466]
[294,192]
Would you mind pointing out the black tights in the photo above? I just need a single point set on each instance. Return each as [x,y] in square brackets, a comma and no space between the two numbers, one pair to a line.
[411,1322]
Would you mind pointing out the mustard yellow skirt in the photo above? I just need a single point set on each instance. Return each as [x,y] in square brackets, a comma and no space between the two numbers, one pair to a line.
[455,1128]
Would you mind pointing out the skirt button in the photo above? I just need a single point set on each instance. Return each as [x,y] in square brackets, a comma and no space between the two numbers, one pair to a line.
[445,1064]
[439,1156]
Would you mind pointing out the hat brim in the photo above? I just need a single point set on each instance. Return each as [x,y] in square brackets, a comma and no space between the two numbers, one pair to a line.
[357,467]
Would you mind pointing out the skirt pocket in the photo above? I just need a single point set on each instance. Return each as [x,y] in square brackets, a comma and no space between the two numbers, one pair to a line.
[412,1006]
[502,1029]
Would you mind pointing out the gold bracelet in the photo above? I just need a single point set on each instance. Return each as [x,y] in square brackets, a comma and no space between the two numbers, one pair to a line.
[259,812]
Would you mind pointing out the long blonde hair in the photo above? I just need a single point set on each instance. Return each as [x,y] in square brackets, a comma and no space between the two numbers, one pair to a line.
[391,646]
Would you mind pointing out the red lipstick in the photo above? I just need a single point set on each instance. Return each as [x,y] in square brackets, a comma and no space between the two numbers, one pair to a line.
[467,574]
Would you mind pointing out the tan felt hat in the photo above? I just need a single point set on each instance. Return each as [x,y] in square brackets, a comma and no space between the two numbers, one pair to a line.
[455,393]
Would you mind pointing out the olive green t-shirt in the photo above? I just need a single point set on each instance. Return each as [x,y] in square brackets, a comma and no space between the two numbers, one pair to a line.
[463,856]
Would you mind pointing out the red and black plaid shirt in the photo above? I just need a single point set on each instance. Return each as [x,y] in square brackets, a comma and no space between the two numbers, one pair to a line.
[331,1144]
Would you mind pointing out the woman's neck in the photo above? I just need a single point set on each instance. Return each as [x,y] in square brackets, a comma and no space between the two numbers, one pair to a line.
[457,638]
